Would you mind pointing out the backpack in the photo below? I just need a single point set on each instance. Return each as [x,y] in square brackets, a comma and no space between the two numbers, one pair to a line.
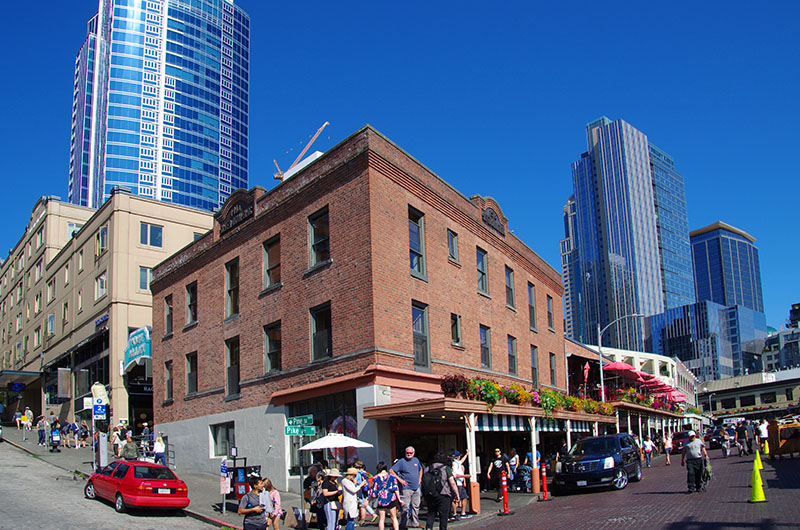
[432,484]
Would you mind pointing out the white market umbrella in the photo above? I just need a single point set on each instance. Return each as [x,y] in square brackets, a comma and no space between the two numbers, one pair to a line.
[334,441]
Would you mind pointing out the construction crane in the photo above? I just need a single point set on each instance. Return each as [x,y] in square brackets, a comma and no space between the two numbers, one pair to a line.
[279,174]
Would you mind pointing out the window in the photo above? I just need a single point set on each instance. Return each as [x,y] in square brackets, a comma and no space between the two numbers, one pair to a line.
[535,366]
[168,315]
[232,365]
[789,394]
[272,262]
[37,303]
[51,324]
[37,337]
[101,240]
[419,326]
[532,306]
[553,369]
[416,242]
[150,235]
[145,277]
[486,349]
[191,373]
[80,260]
[452,245]
[66,273]
[37,271]
[483,278]
[510,287]
[747,401]
[550,312]
[222,438]
[65,312]
[80,300]
[455,329]
[768,397]
[168,380]
[51,291]
[272,347]
[727,403]
[321,332]
[100,286]
[191,303]
[512,355]
[319,237]
[232,288]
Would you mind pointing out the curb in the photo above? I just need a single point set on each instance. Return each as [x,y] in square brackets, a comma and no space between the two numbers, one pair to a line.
[210,520]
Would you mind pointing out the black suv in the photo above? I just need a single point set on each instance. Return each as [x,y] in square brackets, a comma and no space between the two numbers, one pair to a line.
[600,461]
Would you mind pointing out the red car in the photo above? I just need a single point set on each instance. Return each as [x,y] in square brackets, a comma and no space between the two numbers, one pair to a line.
[136,484]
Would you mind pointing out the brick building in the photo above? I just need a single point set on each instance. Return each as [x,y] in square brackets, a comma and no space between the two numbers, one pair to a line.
[355,284]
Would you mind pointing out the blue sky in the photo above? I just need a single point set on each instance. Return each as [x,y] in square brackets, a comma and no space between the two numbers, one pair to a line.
[492,97]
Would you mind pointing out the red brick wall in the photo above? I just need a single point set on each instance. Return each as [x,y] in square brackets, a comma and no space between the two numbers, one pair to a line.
[367,184]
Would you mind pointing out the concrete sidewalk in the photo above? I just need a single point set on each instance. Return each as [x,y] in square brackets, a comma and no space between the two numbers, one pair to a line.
[206,501]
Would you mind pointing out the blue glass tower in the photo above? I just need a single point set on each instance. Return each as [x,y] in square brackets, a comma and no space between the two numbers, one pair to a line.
[161,102]
[726,266]
[629,247]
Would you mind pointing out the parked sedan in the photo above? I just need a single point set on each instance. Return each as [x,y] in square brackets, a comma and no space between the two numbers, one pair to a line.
[714,438]
[600,461]
[138,485]
[679,440]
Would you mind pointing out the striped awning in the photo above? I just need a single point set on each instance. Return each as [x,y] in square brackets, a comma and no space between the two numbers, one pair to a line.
[580,426]
[500,422]
[547,425]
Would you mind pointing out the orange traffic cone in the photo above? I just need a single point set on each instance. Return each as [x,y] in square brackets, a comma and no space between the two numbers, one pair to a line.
[757,488]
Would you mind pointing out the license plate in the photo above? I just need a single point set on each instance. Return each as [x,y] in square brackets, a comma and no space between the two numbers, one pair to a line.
[581,483]
[164,490]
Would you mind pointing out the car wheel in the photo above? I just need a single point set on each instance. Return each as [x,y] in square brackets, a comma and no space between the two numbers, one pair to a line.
[119,504]
[637,473]
[89,491]
[620,479]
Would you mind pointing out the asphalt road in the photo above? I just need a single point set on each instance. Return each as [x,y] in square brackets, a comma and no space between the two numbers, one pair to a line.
[34,494]
[660,501]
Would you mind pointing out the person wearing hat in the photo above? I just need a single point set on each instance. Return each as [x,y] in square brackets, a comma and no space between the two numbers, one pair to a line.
[351,485]
[694,453]
[331,491]
[459,476]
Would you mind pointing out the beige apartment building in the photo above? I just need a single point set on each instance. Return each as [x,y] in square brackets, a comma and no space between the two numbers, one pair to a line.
[93,296]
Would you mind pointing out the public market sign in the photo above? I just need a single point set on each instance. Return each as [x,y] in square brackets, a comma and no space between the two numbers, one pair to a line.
[140,347]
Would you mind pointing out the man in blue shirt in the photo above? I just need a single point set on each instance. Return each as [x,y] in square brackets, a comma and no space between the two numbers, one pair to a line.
[408,472]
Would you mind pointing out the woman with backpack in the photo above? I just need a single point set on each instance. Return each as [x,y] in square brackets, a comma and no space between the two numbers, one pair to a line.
[386,491]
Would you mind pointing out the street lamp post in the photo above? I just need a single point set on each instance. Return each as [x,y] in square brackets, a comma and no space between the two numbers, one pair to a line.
[600,349]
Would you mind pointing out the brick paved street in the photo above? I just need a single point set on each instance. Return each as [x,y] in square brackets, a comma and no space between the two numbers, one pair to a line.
[660,501]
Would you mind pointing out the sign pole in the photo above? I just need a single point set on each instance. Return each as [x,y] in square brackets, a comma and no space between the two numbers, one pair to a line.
[302,490]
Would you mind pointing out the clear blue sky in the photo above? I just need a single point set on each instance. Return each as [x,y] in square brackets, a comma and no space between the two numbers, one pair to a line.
[492,97]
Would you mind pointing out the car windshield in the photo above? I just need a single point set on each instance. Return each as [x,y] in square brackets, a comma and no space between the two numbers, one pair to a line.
[154,473]
[593,446]
[681,435]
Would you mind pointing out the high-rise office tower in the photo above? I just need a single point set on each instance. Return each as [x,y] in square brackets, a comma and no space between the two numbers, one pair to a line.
[726,266]
[629,247]
[160,102]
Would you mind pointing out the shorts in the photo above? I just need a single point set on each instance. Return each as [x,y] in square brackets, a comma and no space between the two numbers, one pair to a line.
[462,492]
[394,504]
[668,450]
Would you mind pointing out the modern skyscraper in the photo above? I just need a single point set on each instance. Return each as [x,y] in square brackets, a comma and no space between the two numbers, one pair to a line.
[726,266]
[161,102]
[628,250]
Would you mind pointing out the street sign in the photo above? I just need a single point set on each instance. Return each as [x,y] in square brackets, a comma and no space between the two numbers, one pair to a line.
[300,430]
[99,410]
[308,419]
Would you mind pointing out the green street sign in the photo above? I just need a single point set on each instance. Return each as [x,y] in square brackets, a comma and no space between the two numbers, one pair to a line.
[300,430]
[308,419]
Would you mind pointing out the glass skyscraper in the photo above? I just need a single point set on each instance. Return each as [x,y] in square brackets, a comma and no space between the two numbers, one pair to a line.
[161,102]
[726,266]
[627,251]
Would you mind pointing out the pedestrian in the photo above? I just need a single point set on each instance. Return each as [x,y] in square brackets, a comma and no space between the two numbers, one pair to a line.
[364,508]
[496,467]
[18,419]
[513,464]
[76,434]
[116,442]
[274,504]
[28,419]
[763,433]
[741,438]
[159,451]
[693,457]
[130,451]
[350,488]
[439,502]
[255,516]
[331,492]
[459,476]
[386,492]
[84,433]
[751,436]
[647,446]
[668,445]
[41,428]
[408,472]
[563,451]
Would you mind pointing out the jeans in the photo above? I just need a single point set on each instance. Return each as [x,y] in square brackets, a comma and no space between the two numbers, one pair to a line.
[694,473]
[647,456]
[410,509]
[351,523]
[331,515]
[160,456]
[440,505]
[41,437]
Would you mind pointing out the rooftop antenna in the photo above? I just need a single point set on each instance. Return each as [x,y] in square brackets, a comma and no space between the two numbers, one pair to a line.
[279,174]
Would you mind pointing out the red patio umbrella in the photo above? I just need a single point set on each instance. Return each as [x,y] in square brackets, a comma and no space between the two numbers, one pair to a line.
[618,366]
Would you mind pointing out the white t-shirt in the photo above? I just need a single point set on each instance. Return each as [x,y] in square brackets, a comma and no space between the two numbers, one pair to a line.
[458,469]
[648,446]
[762,431]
